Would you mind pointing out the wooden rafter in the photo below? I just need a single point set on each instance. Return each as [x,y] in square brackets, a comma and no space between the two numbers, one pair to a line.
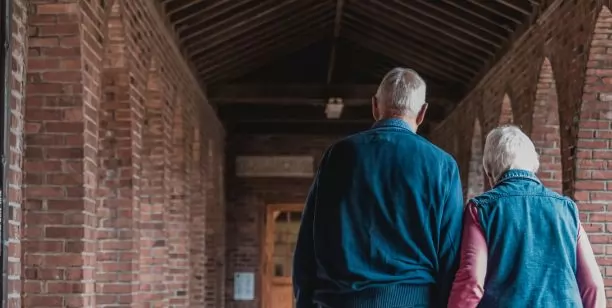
[242,27]
[228,49]
[259,59]
[400,21]
[409,49]
[403,57]
[337,27]
[446,51]
[478,36]
[516,6]
[273,41]
[486,6]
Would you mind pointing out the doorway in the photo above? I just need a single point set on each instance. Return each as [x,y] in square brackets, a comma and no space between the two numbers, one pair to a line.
[282,227]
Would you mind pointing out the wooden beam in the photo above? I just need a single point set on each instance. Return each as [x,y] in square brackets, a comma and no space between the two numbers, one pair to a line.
[242,27]
[337,27]
[438,8]
[251,113]
[460,6]
[424,13]
[205,8]
[485,6]
[330,128]
[443,50]
[515,7]
[333,128]
[409,49]
[260,93]
[434,28]
[253,61]
[177,6]
[294,35]
[203,33]
[419,62]
[261,34]
[409,25]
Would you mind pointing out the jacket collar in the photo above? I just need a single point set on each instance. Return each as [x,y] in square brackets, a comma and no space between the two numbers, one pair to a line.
[398,123]
[518,174]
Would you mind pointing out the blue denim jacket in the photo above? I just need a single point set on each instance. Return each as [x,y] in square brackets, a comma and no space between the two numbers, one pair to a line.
[382,223]
[531,233]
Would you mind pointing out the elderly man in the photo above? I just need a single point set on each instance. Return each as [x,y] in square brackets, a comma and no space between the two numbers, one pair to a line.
[382,222]
[524,238]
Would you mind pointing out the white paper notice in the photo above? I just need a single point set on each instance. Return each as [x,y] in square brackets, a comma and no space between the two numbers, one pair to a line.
[244,286]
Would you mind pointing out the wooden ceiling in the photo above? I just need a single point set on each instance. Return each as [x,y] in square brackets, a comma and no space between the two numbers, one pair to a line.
[270,65]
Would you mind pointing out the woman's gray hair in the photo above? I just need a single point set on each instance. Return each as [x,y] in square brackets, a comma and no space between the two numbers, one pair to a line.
[402,90]
[507,147]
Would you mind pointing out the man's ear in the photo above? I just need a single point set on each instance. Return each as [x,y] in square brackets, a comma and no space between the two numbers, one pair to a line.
[375,111]
[421,115]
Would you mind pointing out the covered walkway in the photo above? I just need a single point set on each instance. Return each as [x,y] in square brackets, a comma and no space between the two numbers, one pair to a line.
[157,151]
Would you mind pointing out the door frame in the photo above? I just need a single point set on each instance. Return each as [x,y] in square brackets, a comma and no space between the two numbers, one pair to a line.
[267,247]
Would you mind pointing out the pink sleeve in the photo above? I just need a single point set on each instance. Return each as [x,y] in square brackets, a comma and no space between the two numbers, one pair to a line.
[589,278]
[468,287]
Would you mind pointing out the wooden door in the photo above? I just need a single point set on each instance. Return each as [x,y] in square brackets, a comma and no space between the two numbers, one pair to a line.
[282,225]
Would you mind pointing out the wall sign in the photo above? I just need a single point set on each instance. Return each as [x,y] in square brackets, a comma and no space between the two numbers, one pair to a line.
[275,166]
[244,286]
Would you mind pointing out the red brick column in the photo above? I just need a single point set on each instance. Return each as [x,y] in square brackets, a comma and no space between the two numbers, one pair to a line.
[177,224]
[197,235]
[545,129]
[59,222]
[117,253]
[15,158]
[476,177]
[593,156]
[154,200]
[215,228]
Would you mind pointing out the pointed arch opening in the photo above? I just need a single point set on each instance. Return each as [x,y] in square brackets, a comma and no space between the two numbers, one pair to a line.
[545,131]
[591,174]
[506,116]
[476,178]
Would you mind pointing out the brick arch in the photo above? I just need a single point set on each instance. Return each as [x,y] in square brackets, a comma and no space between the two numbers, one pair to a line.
[506,116]
[545,131]
[476,178]
[593,158]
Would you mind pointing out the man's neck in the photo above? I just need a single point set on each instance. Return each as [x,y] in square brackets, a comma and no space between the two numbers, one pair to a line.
[408,120]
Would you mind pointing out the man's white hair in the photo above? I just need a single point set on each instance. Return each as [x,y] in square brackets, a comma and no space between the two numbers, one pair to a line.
[507,147]
[402,90]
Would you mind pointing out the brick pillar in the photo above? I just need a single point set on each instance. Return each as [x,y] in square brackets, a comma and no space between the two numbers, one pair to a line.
[545,129]
[222,232]
[116,267]
[197,235]
[177,227]
[593,156]
[59,222]
[215,230]
[476,177]
[155,175]
[15,161]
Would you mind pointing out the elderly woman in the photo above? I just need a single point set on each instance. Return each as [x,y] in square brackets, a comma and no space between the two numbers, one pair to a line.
[523,244]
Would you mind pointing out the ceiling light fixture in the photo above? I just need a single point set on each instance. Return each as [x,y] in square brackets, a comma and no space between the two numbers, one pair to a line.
[333,109]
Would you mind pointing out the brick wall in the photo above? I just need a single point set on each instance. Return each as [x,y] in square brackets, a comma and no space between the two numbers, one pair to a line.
[576,153]
[103,211]
[247,200]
